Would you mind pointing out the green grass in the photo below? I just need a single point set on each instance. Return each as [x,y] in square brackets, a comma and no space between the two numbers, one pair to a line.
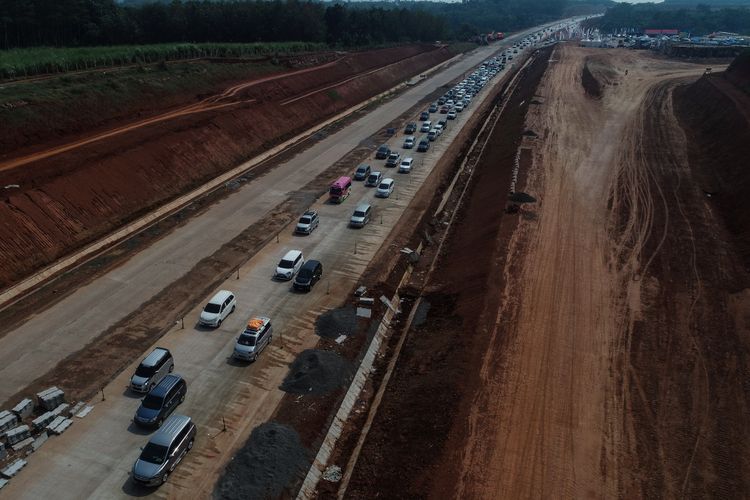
[20,63]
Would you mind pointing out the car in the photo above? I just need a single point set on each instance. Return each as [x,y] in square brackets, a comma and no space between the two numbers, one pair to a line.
[443,123]
[433,107]
[439,128]
[460,107]
[424,145]
[307,222]
[426,126]
[444,110]
[164,451]
[382,152]
[289,265]
[424,115]
[385,188]
[432,135]
[308,275]
[452,115]
[218,308]
[363,170]
[411,127]
[409,142]
[154,367]
[441,101]
[393,159]
[161,401]
[405,166]
[361,215]
[374,179]
[254,338]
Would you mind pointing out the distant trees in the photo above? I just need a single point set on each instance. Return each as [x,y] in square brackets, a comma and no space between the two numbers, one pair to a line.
[699,20]
[30,23]
[27,23]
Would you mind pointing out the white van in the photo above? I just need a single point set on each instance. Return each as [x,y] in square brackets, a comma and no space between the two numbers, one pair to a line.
[289,265]
[218,308]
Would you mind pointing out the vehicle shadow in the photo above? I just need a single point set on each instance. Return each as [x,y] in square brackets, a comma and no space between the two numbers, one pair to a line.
[132,394]
[133,489]
[138,430]
[232,361]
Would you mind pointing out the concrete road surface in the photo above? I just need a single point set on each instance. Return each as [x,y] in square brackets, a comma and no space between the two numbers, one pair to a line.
[93,458]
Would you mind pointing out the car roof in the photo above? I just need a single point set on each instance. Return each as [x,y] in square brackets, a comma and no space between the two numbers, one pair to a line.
[387,180]
[163,387]
[292,254]
[310,212]
[363,166]
[220,296]
[154,357]
[362,207]
[169,429]
[311,264]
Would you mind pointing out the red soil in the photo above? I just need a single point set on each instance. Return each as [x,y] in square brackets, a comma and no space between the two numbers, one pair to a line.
[69,199]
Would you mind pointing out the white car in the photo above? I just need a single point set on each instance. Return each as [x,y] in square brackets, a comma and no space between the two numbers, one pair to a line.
[385,188]
[405,166]
[452,114]
[289,265]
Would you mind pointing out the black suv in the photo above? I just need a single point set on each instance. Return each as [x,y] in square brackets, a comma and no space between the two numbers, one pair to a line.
[308,275]
[424,145]
[411,127]
[382,152]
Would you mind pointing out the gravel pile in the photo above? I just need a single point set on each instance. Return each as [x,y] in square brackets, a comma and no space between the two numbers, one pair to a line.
[272,458]
[336,322]
[317,372]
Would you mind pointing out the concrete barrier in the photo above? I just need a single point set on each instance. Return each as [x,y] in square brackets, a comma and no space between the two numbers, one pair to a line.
[24,408]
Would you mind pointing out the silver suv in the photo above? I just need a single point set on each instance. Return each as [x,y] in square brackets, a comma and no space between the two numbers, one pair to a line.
[164,451]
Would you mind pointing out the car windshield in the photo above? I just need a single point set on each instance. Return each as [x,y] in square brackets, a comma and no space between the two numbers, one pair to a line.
[246,340]
[144,371]
[372,178]
[212,308]
[305,220]
[359,213]
[361,170]
[152,402]
[286,264]
[384,185]
[304,274]
[154,453]
[335,190]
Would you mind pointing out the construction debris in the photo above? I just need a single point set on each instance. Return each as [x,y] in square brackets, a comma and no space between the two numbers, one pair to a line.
[84,412]
[332,474]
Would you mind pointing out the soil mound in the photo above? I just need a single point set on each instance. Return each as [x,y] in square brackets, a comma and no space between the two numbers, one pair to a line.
[739,72]
[336,322]
[68,200]
[317,372]
[590,84]
[715,114]
[270,459]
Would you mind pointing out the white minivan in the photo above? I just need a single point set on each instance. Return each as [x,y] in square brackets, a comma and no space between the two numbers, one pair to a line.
[218,308]
[385,188]
[289,265]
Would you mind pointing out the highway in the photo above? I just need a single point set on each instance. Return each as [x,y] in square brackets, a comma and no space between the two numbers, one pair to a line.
[93,458]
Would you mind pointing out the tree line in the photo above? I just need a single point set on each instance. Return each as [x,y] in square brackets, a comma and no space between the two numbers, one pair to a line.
[700,20]
[70,23]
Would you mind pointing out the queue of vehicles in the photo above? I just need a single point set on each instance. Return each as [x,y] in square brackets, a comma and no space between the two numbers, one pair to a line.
[154,376]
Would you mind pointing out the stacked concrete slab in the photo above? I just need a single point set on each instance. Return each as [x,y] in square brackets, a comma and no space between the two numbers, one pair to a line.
[8,420]
[3,453]
[51,398]
[24,408]
[18,434]
[12,469]
[59,425]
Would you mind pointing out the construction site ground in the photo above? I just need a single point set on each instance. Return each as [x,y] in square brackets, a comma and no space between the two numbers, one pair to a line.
[594,344]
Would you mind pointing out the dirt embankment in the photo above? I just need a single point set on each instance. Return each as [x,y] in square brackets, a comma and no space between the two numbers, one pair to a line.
[69,199]
[591,85]
[715,113]
[410,451]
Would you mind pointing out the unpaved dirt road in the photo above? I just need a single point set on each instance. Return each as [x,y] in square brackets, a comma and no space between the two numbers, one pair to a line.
[554,416]
[600,337]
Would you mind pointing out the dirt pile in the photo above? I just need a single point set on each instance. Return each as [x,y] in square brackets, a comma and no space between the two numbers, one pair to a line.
[336,322]
[715,113]
[590,84]
[317,372]
[75,197]
[269,460]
